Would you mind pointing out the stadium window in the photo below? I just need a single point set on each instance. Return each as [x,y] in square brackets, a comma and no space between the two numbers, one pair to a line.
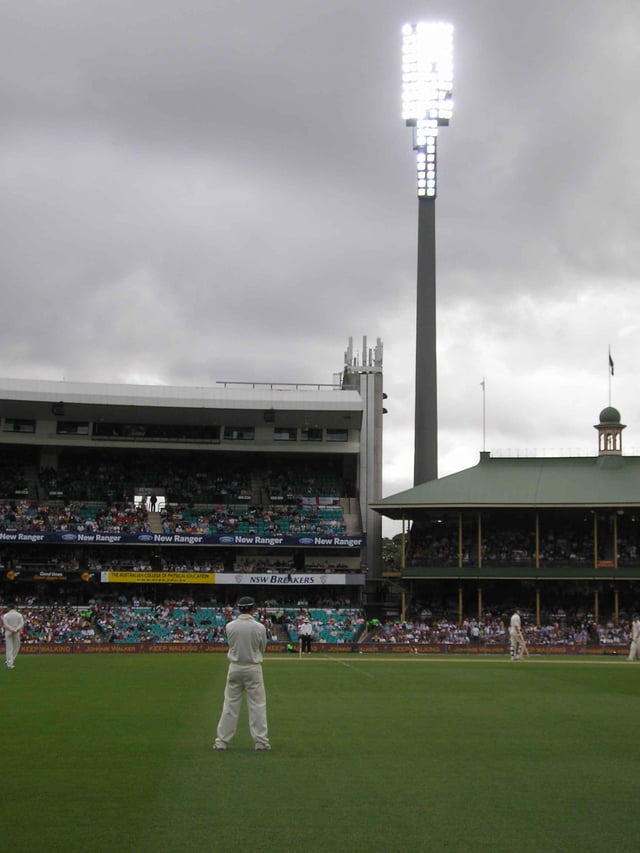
[285,434]
[311,434]
[157,432]
[18,425]
[337,435]
[72,428]
[239,433]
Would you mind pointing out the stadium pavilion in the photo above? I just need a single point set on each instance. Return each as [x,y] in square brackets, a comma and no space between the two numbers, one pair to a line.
[554,533]
[114,490]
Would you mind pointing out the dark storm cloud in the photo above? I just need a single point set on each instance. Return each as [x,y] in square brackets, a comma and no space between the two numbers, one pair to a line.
[214,190]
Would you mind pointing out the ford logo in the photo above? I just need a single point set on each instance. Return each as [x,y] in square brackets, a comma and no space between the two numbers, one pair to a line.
[226,540]
[145,537]
[305,540]
[69,537]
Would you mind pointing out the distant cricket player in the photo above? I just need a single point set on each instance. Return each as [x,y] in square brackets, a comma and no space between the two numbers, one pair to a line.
[247,641]
[516,639]
[13,623]
[635,637]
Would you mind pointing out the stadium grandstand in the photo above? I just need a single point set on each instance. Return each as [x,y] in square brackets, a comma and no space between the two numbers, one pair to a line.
[115,493]
[558,537]
[136,516]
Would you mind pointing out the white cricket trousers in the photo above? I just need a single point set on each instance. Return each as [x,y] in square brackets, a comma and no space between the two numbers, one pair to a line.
[11,647]
[244,679]
[633,651]
[516,648]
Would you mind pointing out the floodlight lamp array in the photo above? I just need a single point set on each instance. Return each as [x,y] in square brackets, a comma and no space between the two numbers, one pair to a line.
[427,80]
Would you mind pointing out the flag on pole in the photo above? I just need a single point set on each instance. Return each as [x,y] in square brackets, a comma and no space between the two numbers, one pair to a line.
[610,364]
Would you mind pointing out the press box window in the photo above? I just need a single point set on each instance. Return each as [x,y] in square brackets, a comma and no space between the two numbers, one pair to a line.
[311,434]
[285,434]
[72,428]
[239,433]
[337,435]
[18,425]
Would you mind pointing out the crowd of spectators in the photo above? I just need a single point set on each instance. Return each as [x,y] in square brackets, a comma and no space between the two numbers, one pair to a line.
[261,520]
[58,624]
[31,516]
[12,474]
[126,517]
[440,546]
[433,545]
[328,625]
[188,479]
[184,621]
[213,496]
[288,482]
[287,566]
[166,623]
[100,477]
[159,565]
[492,631]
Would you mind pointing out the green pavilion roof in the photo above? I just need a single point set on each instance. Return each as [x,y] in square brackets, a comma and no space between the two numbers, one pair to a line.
[529,482]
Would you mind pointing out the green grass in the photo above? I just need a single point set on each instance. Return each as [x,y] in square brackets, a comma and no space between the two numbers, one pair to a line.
[370,753]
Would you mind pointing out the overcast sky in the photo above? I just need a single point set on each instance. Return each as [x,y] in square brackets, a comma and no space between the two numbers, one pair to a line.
[204,190]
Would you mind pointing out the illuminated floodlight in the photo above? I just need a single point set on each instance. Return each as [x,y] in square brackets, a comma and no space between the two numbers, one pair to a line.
[427,81]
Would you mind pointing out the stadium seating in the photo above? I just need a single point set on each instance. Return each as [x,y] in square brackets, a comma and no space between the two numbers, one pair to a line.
[259,520]
[188,623]
[112,476]
[180,623]
[329,625]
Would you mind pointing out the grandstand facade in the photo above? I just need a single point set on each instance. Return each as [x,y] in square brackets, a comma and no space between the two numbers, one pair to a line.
[554,533]
[110,491]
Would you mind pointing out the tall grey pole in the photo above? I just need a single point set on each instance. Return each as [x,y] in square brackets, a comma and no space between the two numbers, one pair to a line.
[427,80]
[425,465]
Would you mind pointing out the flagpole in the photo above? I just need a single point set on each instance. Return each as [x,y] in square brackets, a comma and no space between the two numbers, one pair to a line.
[610,372]
[484,416]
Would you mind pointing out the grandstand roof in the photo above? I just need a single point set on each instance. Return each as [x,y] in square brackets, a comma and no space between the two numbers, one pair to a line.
[602,481]
[31,398]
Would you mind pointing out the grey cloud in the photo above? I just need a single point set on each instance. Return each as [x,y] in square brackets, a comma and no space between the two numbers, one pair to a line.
[237,175]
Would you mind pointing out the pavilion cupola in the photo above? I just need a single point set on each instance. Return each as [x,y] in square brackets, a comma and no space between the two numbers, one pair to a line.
[610,432]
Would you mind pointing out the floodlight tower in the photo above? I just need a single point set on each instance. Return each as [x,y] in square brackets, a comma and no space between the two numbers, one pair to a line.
[427,79]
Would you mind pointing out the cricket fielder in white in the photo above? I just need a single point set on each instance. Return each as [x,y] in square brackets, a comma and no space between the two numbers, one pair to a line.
[516,649]
[13,623]
[635,637]
[247,642]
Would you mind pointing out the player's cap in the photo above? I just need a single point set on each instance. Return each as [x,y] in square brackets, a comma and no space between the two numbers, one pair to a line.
[245,603]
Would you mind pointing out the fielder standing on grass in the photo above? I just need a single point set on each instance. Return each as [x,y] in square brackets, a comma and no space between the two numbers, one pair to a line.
[516,639]
[247,642]
[13,623]
[635,637]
